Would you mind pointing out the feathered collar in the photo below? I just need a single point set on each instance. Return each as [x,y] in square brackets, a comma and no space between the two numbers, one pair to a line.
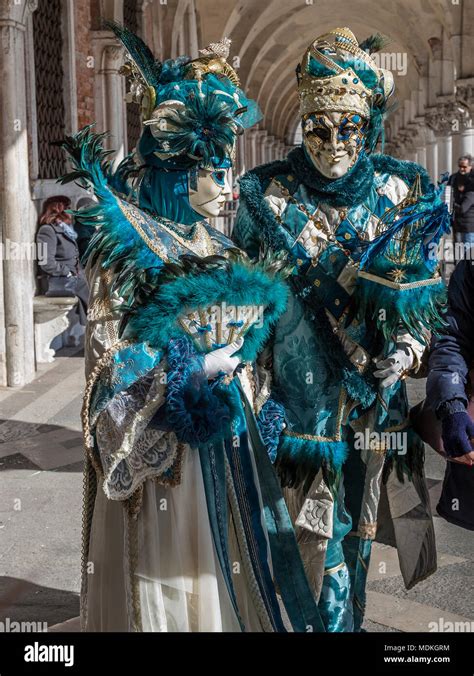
[348,191]
[354,187]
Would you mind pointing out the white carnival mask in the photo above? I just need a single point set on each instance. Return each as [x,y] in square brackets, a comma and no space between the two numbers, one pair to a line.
[212,190]
[334,141]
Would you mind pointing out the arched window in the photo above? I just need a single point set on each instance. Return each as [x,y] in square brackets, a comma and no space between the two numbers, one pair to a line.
[49,87]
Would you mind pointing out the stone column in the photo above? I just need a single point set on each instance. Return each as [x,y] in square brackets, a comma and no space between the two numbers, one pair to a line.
[465,106]
[432,156]
[110,92]
[261,149]
[467,141]
[251,149]
[456,148]
[192,31]
[241,160]
[17,360]
[421,155]
[269,142]
[440,120]
[445,151]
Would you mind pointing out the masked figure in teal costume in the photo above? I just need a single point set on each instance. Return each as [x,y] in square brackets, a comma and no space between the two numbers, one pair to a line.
[185,528]
[361,231]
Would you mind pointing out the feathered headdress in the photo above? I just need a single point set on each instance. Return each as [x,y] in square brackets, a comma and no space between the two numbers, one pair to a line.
[192,110]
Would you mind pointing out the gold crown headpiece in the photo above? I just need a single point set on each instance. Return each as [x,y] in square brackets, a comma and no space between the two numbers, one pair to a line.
[343,90]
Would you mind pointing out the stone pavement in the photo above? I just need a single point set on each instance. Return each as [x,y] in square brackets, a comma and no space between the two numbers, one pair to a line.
[40,518]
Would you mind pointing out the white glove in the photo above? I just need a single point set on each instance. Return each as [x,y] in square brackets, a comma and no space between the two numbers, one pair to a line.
[394,366]
[221,361]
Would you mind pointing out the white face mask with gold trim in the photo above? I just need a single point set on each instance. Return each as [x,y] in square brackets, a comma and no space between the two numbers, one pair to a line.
[334,141]
[212,190]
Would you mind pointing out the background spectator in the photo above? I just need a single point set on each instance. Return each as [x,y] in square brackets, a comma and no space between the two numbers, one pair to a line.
[462,185]
[62,273]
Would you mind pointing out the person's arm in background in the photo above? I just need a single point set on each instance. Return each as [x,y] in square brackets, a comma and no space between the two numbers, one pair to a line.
[46,236]
[450,359]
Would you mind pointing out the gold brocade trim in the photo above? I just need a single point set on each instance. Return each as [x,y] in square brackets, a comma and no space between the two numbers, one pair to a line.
[253,386]
[91,381]
[219,333]
[106,278]
[334,569]
[155,247]
[200,240]
[396,285]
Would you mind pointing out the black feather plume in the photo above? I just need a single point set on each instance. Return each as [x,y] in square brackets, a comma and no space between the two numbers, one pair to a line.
[374,43]
[141,54]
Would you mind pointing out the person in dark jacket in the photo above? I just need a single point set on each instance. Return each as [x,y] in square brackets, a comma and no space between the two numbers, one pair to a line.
[462,184]
[58,239]
[451,358]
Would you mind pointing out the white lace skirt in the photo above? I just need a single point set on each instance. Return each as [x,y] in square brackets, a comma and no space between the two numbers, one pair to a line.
[165,575]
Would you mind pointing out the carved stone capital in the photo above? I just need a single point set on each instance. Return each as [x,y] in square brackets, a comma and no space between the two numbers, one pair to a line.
[465,101]
[16,14]
[108,51]
[442,118]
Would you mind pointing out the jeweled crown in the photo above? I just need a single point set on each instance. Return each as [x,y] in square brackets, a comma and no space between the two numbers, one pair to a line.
[336,74]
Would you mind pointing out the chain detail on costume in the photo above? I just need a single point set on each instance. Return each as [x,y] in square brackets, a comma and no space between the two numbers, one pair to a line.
[132,510]
[397,285]
[89,492]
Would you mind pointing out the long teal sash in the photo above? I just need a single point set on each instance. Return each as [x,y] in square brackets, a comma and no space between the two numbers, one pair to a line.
[288,567]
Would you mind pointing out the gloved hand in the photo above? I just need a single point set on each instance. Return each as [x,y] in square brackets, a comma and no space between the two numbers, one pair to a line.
[220,361]
[394,366]
[457,430]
